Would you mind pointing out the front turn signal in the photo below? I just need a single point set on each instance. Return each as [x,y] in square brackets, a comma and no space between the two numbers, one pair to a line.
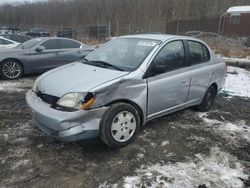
[88,103]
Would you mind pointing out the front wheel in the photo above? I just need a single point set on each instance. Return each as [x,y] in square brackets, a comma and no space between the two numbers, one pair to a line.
[11,70]
[208,100]
[119,125]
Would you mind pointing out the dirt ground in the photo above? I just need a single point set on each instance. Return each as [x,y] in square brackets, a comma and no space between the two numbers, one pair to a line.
[28,158]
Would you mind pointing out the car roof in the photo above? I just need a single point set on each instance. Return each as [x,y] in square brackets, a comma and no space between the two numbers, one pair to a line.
[46,38]
[15,35]
[161,37]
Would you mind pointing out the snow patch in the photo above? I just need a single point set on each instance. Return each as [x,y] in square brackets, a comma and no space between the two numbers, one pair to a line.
[10,86]
[164,143]
[220,169]
[20,163]
[239,9]
[236,60]
[15,86]
[228,129]
[140,155]
[237,82]
[196,138]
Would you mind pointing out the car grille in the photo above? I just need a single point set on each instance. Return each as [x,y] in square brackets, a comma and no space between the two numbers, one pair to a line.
[52,100]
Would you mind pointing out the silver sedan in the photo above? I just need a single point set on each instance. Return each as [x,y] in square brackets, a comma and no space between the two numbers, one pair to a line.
[119,87]
[39,55]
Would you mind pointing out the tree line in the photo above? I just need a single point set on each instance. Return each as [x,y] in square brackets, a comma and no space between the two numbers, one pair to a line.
[90,12]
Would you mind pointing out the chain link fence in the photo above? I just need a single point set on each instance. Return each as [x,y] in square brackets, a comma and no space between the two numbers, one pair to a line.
[101,31]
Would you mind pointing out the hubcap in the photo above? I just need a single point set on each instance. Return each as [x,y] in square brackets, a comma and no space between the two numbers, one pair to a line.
[123,126]
[11,69]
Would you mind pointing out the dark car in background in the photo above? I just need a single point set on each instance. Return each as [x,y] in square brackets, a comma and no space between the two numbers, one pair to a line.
[38,32]
[17,38]
[67,33]
[40,55]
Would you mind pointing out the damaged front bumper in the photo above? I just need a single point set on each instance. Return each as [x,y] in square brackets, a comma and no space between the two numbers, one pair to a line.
[65,126]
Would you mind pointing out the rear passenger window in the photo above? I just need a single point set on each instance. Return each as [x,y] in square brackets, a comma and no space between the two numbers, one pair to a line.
[50,44]
[198,52]
[171,57]
[69,44]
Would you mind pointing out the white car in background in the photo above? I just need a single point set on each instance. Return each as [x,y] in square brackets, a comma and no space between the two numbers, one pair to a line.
[7,43]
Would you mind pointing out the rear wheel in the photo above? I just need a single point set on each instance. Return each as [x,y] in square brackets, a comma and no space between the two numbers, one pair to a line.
[11,70]
[208,100]
[119,125]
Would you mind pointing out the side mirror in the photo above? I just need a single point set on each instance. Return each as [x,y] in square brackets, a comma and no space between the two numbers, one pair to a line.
[40,48]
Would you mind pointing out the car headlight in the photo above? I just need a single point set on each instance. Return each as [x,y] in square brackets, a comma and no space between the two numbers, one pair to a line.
[34,87]
[78,101]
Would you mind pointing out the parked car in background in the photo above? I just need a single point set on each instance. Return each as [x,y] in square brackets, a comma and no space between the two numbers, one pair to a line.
[38,32]
[201,34]
[119,87]
[39,55]
[17,38]
[67,33]
[7,43]
[8,30]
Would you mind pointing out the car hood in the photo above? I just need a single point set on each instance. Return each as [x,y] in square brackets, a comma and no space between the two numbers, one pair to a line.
[75,77]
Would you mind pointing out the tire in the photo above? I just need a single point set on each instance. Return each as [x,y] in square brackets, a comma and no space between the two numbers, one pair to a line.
[208,100]
[11,69]
[119,125]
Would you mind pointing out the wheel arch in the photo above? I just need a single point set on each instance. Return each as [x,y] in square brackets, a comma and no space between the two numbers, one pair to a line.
[15,59]
[215,86]
[136,106]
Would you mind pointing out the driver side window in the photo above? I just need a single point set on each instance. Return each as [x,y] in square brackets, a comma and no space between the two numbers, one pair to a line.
[171,57]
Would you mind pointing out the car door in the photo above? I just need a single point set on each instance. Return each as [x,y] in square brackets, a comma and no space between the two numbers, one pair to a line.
[167,79]
[45,56]
[201,74]
[69,51]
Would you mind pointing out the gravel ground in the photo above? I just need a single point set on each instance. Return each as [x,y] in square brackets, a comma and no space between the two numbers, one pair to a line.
[28,158]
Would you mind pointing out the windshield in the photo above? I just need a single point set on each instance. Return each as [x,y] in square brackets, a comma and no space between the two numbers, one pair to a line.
[125,53]
[29,44]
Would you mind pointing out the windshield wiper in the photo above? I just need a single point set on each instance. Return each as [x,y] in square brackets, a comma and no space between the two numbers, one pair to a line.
[105,64]
[102,64]
[86,61]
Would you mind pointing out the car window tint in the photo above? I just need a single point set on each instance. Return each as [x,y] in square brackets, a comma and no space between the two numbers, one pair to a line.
[5,42]
[69,44]
[198,52]
[23,39]
[171,57]
[50,44]
[15,38]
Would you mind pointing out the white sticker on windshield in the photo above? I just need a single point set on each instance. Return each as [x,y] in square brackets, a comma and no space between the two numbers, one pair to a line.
[146,43]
